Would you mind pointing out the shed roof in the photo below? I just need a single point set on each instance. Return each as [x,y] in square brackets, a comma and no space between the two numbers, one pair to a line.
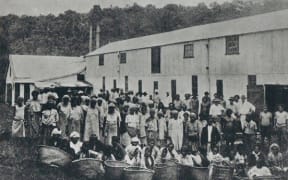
[251,24]
[31,68]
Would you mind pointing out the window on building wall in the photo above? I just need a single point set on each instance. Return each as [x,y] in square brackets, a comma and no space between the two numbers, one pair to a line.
[80,77]
[122,58]
[103,83]
[10,73]
[194,85]
[17,90]
[126,84]
[155,85]
[232,45]
[173,89]
[140,86]
[219,86]
[252,81]
[156,59]
[188,51]
[114,83]
[101,59]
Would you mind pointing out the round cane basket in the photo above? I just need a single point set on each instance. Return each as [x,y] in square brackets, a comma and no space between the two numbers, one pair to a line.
[53,156]
[166,171]
[267,178]
[222,172]
[89,168]
[193,173]
[137,173]
[114,169]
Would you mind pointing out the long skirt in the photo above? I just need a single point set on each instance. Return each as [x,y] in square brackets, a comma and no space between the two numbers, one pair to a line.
[112,131]
[62,124]
[177,139]
[33,124]
[18,128]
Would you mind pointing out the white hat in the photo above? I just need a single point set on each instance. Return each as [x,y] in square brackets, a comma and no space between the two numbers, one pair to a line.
[111,105]
[74,134]
[135,139]
[56,131]
[80,92]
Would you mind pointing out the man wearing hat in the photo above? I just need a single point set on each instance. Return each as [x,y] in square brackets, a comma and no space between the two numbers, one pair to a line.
[231,105]
[216,112]
[175,130]
[194,104]
[245,108]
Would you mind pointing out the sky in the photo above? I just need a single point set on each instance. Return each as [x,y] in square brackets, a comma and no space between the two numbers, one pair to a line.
[44,7]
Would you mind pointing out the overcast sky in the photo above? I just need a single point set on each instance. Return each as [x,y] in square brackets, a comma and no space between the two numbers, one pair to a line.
[37,7]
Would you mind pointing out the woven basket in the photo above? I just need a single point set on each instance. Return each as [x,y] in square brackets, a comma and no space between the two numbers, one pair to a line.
[114,169]
[193,173]
[53,156]
[267,178]
[89,168]
[166,171]
[222,172]
[137,173]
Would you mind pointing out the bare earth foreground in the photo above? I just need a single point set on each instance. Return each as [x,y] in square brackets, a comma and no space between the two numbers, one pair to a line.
[18,157]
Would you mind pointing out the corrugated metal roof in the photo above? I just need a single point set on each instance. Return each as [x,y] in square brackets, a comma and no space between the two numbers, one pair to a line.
[251,24]
[31,68]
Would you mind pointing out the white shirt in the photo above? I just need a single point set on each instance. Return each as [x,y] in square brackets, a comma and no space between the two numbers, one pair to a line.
[216,110]
[76,147]
[281,118]
[254,172]
[245,108]
[209,133]
[132,121]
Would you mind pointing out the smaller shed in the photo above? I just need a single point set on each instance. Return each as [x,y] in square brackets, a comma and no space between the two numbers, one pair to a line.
[29,72]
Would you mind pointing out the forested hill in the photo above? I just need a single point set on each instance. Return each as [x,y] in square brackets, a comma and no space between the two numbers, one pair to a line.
[68,33]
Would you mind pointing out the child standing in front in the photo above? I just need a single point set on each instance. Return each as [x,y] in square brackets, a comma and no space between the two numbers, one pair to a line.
[162,127]
[18,128]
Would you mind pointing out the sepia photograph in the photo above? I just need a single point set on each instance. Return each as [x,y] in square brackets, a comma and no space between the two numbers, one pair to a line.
[144,90]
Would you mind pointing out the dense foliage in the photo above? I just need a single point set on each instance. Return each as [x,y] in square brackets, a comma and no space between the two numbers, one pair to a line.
[68,33]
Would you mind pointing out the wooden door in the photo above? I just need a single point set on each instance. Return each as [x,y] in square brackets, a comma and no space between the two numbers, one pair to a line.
[255,95]
[173,89]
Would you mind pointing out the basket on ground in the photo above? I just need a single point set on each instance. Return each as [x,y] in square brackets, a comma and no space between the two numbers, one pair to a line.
[53,156]
[114,169]
[166,171]
[193,173]
[137,173]
[221,172]
[89,168]
[267,178]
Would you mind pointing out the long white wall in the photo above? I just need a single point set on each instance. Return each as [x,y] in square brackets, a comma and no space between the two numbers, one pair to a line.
[262,54]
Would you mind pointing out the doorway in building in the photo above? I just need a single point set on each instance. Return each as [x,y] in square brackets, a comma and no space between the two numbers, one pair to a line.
[173,89]
[275,95]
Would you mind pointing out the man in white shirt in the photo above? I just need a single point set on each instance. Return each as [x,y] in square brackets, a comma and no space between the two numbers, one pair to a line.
[281,118]
[167,100]
[245,108]
[216,111]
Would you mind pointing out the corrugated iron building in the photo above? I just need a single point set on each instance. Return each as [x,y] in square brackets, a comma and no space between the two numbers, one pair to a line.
[241,56]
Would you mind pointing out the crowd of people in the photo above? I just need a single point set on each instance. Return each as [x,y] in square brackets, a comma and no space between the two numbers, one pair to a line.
[143,129]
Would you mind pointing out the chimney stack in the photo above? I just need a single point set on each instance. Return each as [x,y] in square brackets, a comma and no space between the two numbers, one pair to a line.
[98,36]
[90,39]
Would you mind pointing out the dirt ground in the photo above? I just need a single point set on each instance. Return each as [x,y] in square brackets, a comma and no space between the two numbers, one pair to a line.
[18,157]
